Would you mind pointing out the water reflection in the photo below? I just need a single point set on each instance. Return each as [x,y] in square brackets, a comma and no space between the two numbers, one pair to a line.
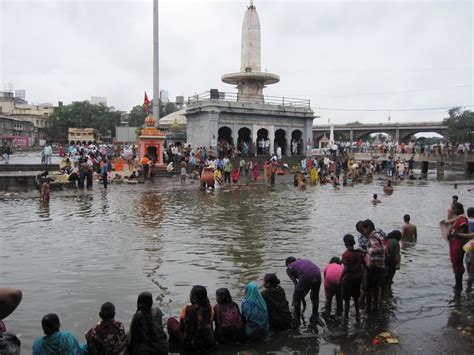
[151,209]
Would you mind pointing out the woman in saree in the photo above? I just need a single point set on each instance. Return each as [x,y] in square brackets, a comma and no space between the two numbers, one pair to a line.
[256,170]
[255,313]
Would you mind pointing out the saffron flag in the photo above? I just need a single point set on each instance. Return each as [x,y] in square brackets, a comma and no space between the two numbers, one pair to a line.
[146,102]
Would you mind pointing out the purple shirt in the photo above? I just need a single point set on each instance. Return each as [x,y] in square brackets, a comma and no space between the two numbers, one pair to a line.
[303,269]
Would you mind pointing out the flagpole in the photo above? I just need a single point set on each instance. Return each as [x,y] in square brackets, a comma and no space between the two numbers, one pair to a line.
[156,63]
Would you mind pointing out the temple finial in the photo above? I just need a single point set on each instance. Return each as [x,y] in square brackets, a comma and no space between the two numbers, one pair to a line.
[251,5]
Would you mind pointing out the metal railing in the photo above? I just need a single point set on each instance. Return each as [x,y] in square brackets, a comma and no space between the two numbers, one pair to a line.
[234,97]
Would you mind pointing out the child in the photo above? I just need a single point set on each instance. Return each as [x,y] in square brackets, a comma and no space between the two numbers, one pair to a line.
[353,261]
[375,200]
[45,188]
[279,314]
[228,323]
[332,284]
[392,258]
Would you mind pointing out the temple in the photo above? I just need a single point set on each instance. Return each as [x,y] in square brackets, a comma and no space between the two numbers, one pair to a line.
[248,118]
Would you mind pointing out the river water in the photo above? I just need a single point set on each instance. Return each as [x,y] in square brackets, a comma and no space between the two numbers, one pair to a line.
[87,247]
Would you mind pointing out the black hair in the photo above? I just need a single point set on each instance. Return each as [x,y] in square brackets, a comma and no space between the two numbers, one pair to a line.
[375,196]
[395,234]
[457,206]
[349,240]
[470,212]
[144,301]
[198,295]
[107,311]
[50,323]
[455,198]
[369,224]
[290,260]
[271,279]
[335,260]
[358,225]
[406,218]
[223,296]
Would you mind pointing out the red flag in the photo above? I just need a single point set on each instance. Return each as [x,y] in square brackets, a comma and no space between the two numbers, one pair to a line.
[146,102]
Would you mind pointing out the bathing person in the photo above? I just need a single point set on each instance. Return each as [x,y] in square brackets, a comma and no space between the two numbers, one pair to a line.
[409,232]
[351,278]
[55,342]
[254,312]
[146,334]
[375,200]
[9,301]
[108,335]
[228,324]
[306,277]
[392,258]
[332,284]
[457,237]
[279,314]
[196,322]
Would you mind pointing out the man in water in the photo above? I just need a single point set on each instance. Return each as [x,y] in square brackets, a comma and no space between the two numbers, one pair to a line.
[375,200]
[409,233]
[306,277]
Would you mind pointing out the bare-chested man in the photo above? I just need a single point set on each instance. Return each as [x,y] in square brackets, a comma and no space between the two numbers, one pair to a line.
[409,233]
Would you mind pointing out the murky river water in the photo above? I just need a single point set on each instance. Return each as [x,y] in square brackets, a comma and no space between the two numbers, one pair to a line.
[88,247]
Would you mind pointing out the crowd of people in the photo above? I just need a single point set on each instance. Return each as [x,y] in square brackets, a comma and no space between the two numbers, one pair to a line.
[362,274]
[394,147]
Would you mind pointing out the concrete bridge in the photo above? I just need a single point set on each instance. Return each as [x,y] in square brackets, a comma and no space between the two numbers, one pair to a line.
[400,131]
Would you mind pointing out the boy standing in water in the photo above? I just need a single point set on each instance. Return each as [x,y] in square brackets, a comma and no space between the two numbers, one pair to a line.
[409,233]
[351,279]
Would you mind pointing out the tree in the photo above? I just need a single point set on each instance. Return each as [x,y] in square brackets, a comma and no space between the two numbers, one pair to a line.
[138,113]
[83,114]
[460,125]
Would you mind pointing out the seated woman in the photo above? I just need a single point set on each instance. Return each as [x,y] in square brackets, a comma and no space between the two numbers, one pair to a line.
[255,313]
[229,326]
[278,309]
[196,322]
[146,334]
[108,335]
[55,341]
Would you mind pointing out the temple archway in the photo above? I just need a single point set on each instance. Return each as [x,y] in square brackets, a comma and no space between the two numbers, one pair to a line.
[225,134]
[296,142]
[280,140]
[244,139]
[262,138]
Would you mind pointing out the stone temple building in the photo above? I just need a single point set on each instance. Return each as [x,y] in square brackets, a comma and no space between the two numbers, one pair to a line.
[248,117]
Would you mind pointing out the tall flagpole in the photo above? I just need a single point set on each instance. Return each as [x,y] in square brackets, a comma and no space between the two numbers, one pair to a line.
[156,64]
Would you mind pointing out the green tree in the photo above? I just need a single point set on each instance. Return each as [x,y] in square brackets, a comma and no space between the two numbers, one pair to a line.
[82,115]
[138,113]
[460,125]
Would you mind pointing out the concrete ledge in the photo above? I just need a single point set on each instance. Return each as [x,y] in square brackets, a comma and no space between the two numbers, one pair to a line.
[29,167]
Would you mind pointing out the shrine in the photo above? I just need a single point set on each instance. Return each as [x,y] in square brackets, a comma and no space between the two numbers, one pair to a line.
[151,141]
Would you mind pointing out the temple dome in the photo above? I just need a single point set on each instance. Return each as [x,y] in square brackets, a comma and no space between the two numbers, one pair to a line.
[178,117]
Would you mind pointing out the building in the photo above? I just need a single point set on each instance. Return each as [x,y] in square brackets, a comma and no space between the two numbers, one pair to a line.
[98,100]
[164,96]
[248,116]
[81,135]
[16,131]
[38,115]
[21,94]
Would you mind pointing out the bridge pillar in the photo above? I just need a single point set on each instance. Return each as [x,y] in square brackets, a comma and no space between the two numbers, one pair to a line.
[351,135]
[439,168]
[397,135]
[424,168]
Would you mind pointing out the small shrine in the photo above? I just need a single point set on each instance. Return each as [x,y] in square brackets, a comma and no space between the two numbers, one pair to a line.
[151,141]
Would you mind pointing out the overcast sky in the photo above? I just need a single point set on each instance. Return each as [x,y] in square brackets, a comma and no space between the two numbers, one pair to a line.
[347,55]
